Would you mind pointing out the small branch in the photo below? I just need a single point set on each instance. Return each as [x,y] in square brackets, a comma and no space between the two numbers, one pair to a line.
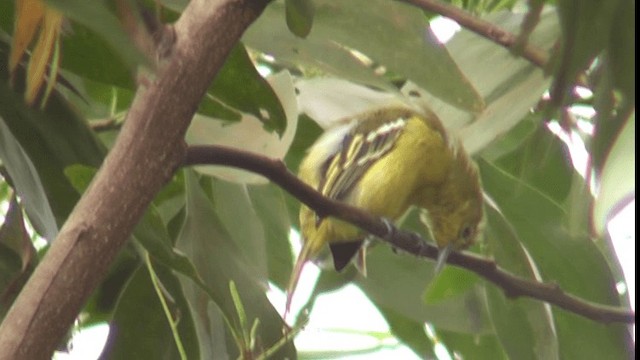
[105,124]
[513,286]
[484,29]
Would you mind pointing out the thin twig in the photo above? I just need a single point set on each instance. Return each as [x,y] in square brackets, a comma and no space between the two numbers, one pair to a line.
[484,29]
[513,286]
[105,124]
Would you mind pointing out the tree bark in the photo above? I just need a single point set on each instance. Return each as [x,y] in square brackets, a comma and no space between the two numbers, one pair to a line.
[148,150]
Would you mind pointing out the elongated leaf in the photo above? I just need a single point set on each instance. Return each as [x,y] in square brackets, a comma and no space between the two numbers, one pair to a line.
[234,208]
[202,283]
[239,86]
[52,139]
[13,234]
[250,132]
[140,328]
[328,100]
[622,50]
[570,260]
[390,274]
[307,132]
[509,85]
[218,260]
[542,160]
[481,347]
[27,183]
[17,254]
[269,204]
[97,17]
[86,54]
[28,18]
[409,332]
[525,327]
[339,27]
[449,283]
[617,186]
[586,28]
[44,54]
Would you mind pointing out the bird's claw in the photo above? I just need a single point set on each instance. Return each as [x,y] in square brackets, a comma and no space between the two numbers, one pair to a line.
[391,230]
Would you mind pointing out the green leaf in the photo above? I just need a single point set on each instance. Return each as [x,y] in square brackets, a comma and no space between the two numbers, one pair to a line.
[239,86]
[609,118]
[233,207]
[52,139]
[299,15]
[17,255]
[97,17]
[617,186]
[12,279]
[152,235]
[150,232]
[7,9]
[480,347]
[390,274]
[249,133]
[340,27]
[86,54]
[27,183]
[524,327]
[139,327]
[451,282]
[205,240]
[509,86]
[307,133]
[410,332]
[13,234]
[568,259]
[418,57]
[514,329]
[586,28]
[510,142]
[80,176]
[103,301]
[269,204]
[543,161]
[622,51]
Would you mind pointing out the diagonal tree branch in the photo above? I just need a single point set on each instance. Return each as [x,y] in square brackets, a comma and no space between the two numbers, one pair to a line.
[485,29]
[513,286]
[148,150]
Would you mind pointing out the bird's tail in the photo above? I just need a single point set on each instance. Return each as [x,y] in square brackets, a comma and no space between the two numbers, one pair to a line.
[302,259]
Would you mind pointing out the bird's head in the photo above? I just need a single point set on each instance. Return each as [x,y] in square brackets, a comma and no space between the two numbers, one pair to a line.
[455,218]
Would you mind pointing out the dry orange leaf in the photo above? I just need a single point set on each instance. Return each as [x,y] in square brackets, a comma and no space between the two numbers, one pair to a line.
[31,16]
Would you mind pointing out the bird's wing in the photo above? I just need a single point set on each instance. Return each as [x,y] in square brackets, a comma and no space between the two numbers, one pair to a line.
[358,151]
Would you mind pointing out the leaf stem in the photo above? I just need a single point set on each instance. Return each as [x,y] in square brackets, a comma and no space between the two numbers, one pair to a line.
[172,323]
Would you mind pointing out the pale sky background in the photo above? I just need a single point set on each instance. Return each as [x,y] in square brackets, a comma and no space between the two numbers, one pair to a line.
[334,311]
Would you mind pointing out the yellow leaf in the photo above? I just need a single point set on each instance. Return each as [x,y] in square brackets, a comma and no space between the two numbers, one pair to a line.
[29,14]
[42,53]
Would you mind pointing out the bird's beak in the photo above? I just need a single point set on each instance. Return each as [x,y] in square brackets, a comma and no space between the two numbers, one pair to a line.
[443,254]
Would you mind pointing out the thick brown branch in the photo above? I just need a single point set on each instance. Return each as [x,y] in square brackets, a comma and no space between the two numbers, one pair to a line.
[513,286]
[147,152]
[484,29]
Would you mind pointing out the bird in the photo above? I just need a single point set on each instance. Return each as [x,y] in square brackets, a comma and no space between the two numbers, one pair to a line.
[385,161]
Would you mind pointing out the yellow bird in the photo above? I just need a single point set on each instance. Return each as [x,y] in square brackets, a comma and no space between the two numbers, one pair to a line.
[384,162]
